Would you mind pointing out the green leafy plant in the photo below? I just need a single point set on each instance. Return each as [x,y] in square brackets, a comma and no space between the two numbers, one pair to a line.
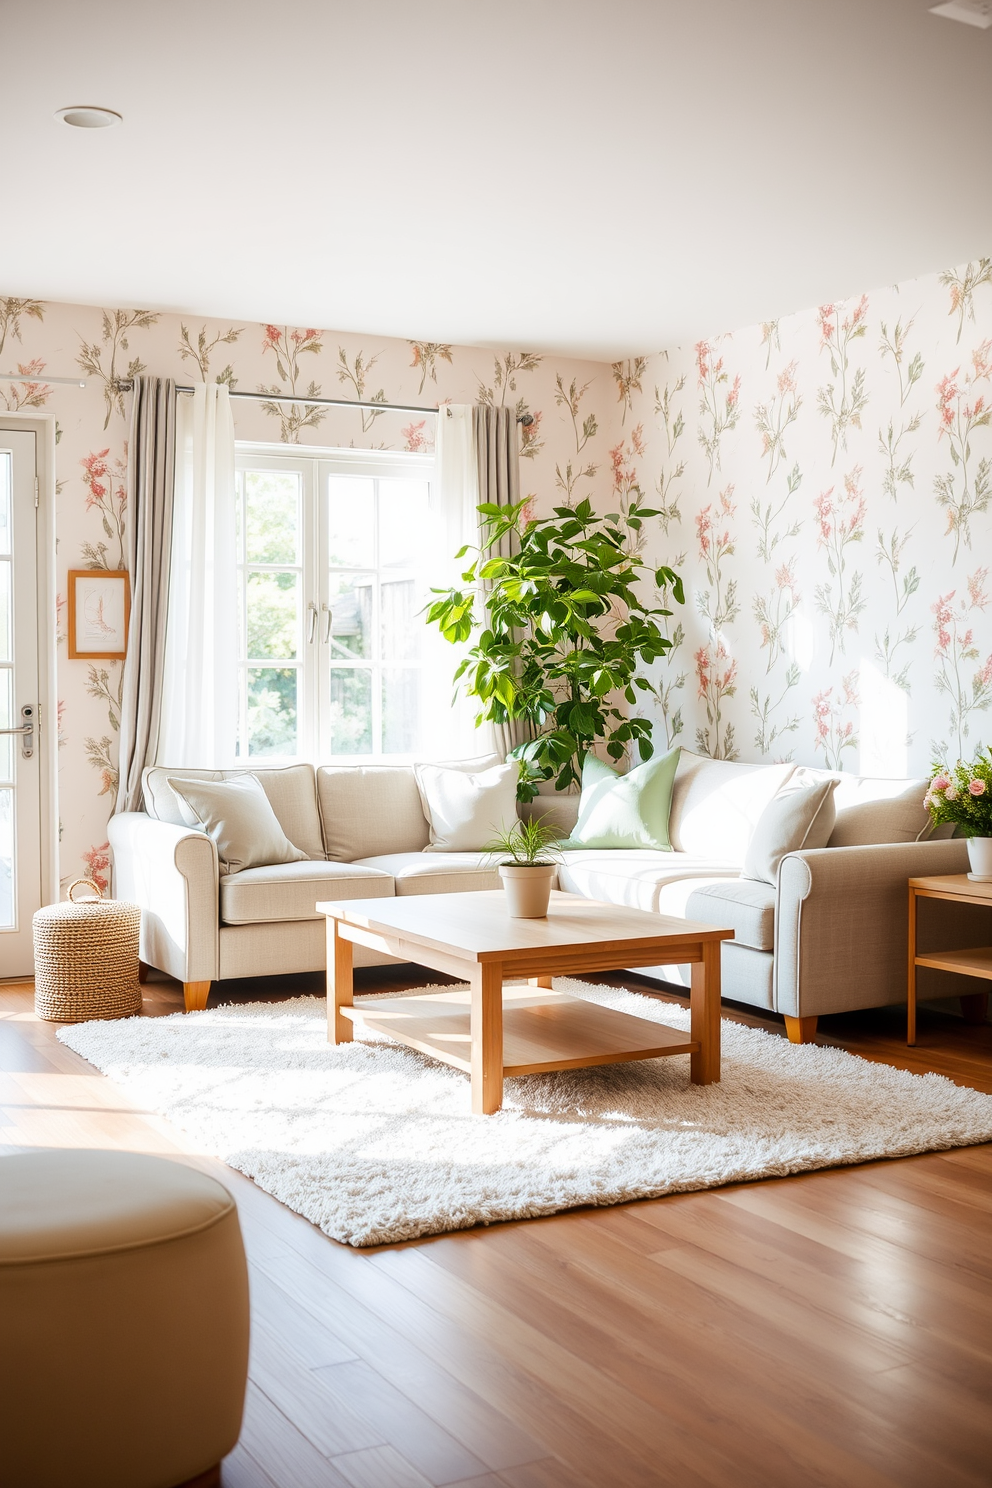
[560,629]
[526,843]
[963,795]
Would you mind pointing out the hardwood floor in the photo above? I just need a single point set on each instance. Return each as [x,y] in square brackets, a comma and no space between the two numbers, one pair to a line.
[832,1328]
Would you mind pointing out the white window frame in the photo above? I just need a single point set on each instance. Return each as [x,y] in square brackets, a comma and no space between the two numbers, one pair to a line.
[313,690]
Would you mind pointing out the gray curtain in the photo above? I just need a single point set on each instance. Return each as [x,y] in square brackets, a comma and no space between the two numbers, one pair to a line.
[496,444]
[151,468]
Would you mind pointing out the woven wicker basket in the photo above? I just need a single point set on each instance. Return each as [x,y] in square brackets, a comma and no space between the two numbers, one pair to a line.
[86,958]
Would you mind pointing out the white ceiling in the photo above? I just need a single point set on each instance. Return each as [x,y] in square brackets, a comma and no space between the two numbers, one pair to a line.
[600,177]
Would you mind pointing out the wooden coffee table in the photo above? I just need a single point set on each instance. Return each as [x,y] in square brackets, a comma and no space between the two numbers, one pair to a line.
[491,1033]
[976,961]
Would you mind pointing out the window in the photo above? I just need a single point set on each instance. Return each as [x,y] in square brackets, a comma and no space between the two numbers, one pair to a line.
[334,557]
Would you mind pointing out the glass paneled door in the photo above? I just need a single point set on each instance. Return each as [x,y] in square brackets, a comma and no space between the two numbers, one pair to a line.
[20,753]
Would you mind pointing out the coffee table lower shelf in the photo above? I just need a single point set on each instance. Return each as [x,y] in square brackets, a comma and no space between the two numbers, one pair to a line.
[542,1030]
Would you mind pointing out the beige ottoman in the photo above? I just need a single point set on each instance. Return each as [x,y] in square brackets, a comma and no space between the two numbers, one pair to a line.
[123,1321]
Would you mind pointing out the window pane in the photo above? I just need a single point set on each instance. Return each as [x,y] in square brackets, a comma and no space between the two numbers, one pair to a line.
[273,615]
[6,597]
[351,525]
[272,710]
[403,525]
[402,624]
[6,487]
[351,710]
[7,721]
[6,859]
[351,597]
[400,710]
[272,498]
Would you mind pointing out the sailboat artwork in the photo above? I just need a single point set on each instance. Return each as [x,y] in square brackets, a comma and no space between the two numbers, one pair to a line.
[99,609]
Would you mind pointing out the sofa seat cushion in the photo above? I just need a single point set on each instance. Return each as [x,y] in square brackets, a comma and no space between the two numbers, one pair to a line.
[290,891]
[435,872]
[744,905]
[637,878]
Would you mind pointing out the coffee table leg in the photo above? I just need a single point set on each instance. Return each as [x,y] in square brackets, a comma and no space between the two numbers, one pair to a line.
[704,1005]
[340,985]
[911,983]
[487,1038]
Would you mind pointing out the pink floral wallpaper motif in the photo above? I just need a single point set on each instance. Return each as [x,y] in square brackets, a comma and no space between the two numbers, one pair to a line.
[825,484]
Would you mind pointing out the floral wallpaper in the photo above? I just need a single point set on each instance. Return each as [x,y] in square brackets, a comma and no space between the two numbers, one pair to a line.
[824,483]
[565,455]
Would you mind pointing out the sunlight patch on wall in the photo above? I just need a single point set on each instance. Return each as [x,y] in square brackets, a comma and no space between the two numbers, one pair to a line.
[883,724]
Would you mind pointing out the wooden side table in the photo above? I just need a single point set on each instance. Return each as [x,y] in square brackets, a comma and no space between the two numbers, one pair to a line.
[976,962]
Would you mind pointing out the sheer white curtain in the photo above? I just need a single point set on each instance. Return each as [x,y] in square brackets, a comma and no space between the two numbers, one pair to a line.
[449,730]
[200,688]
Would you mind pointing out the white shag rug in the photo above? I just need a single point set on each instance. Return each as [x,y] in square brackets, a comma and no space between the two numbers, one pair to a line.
[376,1143]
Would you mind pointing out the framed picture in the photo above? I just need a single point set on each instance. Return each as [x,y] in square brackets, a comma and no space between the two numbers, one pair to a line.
[99,610]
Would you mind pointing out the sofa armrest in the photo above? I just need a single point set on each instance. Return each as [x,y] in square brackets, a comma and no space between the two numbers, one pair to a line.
[172,874]
[842,925]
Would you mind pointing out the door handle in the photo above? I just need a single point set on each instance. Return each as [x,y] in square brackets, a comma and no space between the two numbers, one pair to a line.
[330,617]
[312,610]
[26,731]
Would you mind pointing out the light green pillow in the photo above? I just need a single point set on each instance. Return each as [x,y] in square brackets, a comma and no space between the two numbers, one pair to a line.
[625,810]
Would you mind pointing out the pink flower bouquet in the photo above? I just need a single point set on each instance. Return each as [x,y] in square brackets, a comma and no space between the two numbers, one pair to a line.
[963,795]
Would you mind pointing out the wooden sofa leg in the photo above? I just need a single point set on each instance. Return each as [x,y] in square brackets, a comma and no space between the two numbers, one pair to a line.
[800,1030]
[975,1007]
[143,970]
[195,995]
[209,1479]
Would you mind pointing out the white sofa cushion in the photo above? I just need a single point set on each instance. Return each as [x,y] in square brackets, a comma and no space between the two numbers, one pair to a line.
[289,891]
[367,810]
[291,791]
[237,815]
[716,805]
[876,810]
[370,809]
[800,816]
[437,873]
[744,905]
[636,877]
[467,808]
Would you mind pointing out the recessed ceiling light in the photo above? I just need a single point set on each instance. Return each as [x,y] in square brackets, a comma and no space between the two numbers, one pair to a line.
[972,12]
[81,116]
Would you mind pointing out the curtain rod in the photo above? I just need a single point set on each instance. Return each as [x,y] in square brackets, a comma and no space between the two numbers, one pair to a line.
[39,377]
[126,387]
[524,418]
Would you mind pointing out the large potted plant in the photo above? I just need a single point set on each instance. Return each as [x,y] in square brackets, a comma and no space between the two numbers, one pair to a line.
[963,795]
[561,633]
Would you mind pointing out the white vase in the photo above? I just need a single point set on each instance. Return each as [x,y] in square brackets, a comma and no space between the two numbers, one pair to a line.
[528,889]
[980,858]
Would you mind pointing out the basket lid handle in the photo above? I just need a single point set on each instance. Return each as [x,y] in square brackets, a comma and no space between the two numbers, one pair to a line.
[75,885]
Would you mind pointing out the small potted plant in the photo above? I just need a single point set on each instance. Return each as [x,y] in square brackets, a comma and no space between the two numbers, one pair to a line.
[528,868]
[963,795]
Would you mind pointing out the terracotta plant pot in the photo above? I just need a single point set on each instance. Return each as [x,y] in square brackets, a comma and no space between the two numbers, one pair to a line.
[979,856]
[528,889]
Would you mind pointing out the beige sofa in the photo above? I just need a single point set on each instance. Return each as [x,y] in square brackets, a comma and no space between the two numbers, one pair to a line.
[828,937]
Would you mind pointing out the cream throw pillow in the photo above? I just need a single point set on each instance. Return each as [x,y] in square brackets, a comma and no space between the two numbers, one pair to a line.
[464,809]
[237,815]
[800,817]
